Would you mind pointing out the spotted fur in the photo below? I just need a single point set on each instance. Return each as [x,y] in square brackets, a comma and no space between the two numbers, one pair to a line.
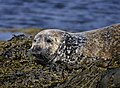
[69,47]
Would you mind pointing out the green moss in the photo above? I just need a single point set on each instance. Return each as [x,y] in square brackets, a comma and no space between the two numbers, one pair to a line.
[19,69]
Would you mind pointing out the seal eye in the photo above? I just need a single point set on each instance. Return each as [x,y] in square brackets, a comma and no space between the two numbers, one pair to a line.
[34,40]
[49,40]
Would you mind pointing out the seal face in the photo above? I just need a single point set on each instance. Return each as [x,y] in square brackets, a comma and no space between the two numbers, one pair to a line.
[45,44]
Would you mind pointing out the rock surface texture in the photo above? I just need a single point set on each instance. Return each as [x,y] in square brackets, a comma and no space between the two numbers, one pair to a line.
[93,62]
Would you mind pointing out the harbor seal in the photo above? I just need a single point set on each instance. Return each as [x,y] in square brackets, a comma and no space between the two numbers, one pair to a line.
[54,45]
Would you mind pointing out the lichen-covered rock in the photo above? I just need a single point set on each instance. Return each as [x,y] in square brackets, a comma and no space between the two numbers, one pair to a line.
[18,68]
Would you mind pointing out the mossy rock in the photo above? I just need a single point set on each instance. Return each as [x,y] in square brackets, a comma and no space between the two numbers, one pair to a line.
[18,68]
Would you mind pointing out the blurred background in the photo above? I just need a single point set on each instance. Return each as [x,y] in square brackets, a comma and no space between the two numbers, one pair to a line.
[71,15]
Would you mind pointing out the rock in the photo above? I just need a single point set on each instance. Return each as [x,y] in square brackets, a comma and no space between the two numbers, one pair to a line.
[111,79]
[19,69]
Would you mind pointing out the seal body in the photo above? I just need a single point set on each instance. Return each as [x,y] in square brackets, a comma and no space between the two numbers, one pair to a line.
[55,45]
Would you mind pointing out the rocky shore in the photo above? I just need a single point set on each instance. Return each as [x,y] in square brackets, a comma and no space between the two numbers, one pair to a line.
[19,69]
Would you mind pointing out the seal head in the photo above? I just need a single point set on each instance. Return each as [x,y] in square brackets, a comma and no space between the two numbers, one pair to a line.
[45,44]
[56,45]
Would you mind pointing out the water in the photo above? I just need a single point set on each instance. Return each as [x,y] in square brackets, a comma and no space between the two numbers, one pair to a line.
[72,15]
[8,35]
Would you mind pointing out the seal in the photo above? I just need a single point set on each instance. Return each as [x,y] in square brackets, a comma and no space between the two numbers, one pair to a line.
[54,45]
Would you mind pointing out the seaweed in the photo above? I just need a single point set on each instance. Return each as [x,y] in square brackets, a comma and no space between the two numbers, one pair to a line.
[18,68]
